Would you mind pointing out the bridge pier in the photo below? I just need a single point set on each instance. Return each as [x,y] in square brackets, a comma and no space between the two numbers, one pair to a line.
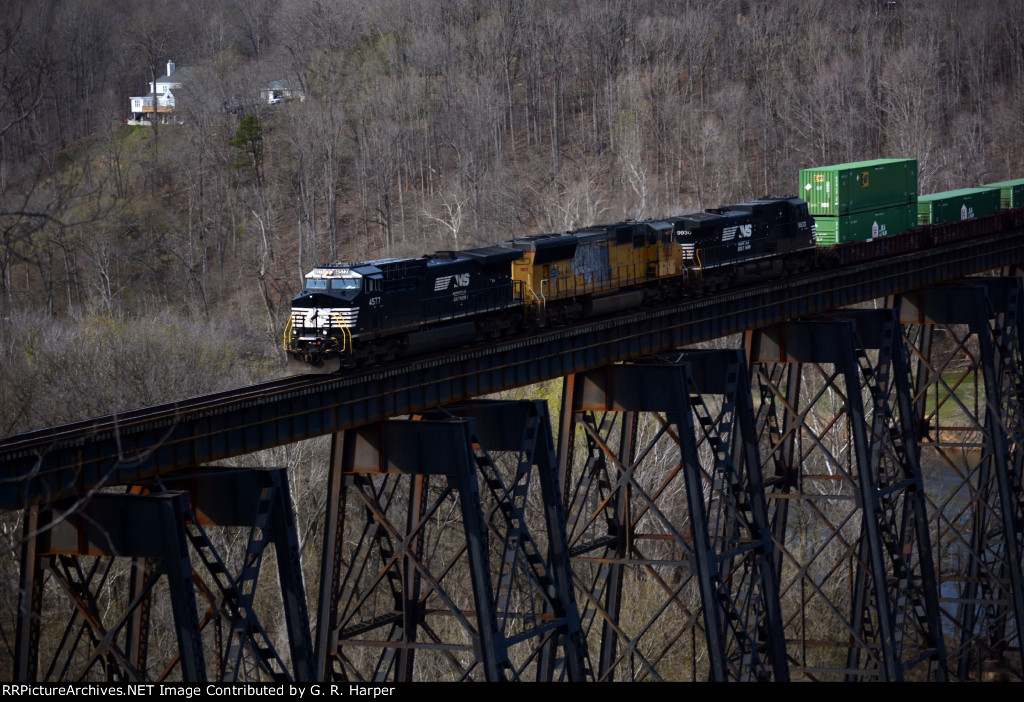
[259,501]
[846,494]
[970,400]
[72,549]
[418,507]
[852,484]
[667,521]
[80,546]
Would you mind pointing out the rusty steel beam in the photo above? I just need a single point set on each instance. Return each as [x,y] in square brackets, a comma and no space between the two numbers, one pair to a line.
[675,551]
[847,498]
[409,500]
[522,430]
[74,547]
[968,391]
[256,501]
[79,548]
[392,595]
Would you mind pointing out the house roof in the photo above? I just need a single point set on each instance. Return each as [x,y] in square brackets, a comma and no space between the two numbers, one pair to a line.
[282,85]
[180,75]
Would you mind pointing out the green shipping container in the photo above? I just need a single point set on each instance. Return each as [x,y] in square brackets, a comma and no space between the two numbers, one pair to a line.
[1012,192]
[858,187]
[954,205]
[864,226]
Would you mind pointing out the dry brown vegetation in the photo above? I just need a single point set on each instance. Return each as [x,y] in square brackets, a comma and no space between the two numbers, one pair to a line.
[441,125]
[138,265]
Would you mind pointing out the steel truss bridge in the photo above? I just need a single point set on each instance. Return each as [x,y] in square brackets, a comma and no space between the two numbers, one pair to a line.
[837,498]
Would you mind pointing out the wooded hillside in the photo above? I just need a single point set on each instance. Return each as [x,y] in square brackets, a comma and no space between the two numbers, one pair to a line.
[422,126]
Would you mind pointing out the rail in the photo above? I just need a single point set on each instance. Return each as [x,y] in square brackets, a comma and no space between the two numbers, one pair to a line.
[59,462]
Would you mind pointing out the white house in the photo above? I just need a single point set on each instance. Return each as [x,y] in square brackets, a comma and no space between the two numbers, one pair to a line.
[161,100]
[281,91]
[161,96]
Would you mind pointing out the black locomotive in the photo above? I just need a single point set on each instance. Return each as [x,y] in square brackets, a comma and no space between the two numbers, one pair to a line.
[357,313]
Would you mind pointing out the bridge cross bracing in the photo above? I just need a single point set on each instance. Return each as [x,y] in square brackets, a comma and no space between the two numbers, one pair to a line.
[889,632]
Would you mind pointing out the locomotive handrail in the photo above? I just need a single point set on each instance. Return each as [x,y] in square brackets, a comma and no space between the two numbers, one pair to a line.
[346,332]
[520,286]
[286,337]
[517,291]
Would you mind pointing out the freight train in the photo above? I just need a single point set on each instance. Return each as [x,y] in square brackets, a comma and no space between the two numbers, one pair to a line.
[354,314]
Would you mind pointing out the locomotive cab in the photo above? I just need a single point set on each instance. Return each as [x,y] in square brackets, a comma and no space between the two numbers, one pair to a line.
[376,311]
[325,314]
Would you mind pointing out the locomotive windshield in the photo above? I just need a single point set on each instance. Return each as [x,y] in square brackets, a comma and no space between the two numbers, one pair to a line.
[341,280]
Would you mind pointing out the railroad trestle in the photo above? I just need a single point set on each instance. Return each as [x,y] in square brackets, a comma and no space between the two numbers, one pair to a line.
[840,497]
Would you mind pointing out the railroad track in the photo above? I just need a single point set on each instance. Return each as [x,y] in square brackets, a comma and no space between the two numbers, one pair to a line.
[63,461]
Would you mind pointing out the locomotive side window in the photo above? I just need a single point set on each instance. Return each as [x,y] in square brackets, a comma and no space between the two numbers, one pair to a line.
[345,284]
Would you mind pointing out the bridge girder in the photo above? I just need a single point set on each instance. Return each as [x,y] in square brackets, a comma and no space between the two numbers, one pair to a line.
[165,531]
[969,402]
[837,434]
[899,622]
[667,516]
[416,509]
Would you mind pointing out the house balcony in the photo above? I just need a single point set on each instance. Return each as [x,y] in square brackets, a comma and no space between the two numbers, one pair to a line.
[142,105]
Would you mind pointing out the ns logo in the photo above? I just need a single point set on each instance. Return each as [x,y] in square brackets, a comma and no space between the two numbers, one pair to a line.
[456,281]
[743,231]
